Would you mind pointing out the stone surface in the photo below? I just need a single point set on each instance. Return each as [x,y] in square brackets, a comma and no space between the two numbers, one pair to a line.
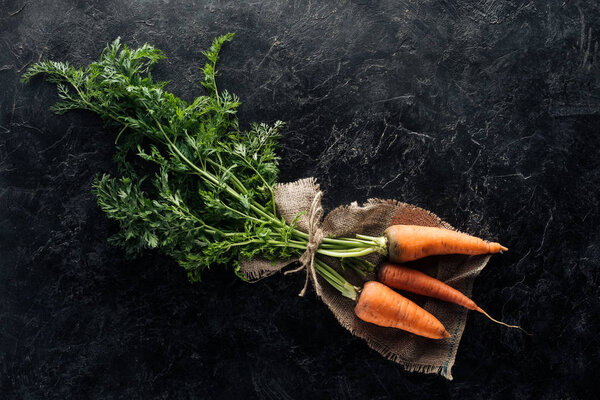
[486,113]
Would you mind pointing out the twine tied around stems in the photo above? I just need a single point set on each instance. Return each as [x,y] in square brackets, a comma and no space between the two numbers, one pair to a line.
[315,237]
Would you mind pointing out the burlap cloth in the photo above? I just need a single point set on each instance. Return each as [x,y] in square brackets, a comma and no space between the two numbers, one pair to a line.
[413,352]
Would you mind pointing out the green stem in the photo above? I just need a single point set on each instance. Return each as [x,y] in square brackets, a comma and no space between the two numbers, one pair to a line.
[340,254]
[239,185]
[120,133]
[264,181]
[346,244]
[214,79]
[209,228]
[336,280]
[352,264]
[369,266]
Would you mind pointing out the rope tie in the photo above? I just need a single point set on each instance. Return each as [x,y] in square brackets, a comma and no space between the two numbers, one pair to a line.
[315,237]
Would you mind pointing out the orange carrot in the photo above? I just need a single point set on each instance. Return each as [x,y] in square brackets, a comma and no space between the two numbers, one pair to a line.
[404,278]
[380,305]
[411,280]
[411,242]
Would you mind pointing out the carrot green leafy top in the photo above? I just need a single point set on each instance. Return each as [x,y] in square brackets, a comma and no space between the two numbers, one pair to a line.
[197,221]
[209,198]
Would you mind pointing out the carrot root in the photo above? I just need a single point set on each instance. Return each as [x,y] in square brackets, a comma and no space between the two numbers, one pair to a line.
[502,323]
[411,242]
[411,280]
[380,305]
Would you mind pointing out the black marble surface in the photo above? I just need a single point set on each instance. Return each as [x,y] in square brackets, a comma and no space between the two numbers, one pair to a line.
[484,112]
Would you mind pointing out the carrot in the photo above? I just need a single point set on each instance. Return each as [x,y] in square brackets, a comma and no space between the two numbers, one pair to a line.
[411,280]
[380,305]
[411,242]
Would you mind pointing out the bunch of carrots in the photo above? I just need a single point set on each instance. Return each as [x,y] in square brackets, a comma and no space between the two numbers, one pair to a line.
[212,198]
[379,304]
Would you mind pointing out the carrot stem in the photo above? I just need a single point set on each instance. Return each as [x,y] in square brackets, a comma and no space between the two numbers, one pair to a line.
[352,263]
[342,253]
[335,279]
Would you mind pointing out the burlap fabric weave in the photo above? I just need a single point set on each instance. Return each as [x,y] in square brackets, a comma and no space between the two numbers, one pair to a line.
[413,352]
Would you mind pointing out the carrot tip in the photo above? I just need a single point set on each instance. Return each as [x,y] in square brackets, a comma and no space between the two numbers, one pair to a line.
[503,248]
[446,334]
[502,323]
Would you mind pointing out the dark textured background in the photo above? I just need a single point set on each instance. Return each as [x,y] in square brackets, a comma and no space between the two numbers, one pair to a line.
[485,112]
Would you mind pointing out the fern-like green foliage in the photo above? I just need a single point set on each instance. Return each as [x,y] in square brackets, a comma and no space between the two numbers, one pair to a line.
[210,200]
